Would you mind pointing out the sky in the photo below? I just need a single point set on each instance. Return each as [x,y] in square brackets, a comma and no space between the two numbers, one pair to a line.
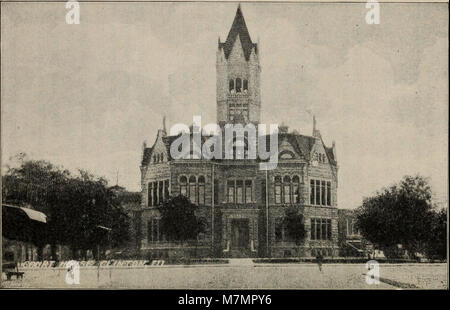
[87,96]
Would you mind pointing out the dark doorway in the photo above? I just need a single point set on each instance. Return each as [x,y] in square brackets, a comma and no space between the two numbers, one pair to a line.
[239,234]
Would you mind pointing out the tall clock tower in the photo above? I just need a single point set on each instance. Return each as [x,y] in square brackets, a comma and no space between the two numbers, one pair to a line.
[238,72]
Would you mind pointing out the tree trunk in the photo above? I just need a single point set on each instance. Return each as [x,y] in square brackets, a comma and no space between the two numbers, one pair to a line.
[40,250]
[54,255]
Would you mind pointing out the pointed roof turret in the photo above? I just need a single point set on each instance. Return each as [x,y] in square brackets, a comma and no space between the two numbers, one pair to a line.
[238,28]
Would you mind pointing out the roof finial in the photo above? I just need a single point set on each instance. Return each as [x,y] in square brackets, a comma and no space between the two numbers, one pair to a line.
[164,124]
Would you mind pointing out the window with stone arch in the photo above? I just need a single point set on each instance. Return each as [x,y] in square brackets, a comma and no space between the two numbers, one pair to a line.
[238,85]
[286,154]
[162,157]
[183,186]
[287,189]
[193,189]
[231,85]
[278,184]
[296,189]
[245,85]
[201,190]
[240,145]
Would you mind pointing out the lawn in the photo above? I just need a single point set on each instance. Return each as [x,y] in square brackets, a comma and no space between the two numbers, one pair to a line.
[288,276]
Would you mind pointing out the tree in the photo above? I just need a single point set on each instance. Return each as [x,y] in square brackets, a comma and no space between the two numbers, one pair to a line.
[75,205]
[294,223]
[400,214]
[436,247]
[178,219]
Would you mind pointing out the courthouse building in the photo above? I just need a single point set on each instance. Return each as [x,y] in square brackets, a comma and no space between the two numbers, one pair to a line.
[243,205]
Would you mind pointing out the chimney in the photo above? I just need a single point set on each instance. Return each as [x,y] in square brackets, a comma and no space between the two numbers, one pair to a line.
[164,126]
[316,133]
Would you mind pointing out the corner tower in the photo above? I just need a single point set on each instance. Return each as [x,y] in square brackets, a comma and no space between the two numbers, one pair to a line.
[238,74]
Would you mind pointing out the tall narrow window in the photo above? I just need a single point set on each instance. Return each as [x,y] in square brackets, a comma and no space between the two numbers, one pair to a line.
[277,189]
[230,186]
[155,193]
[295,189]
[312,193]
[160,192]
[245,86]
[216,191]
[324,229]
[239,191]
[313,229]
[166,189]
[323,193]
[231,84]
[287,189]
[149,194]
[248,191]
[192,189]
[329,193]
[329,229]
[263,191]
[238,85]
[183,186]
[201,190]
[317,192]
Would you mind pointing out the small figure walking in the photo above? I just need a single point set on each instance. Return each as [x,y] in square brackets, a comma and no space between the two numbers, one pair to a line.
[319,260]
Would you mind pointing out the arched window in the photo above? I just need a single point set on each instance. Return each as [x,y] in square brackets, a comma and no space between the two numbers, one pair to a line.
[201,190]
[183,186]
[287,189]
[238,85]
[192,189]
[162,156]
[277,189]
[245,86]
[231,85]
[295,189]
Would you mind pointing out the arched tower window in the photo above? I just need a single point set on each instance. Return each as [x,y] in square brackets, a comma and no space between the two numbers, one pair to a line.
[231,85]
[238,85]
[201,190]
[245,85]
[192,189]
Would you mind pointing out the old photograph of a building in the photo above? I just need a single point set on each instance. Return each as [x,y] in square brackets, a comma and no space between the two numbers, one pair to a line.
[134,135]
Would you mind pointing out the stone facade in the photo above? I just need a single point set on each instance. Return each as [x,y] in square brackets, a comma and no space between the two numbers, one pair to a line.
[243,205]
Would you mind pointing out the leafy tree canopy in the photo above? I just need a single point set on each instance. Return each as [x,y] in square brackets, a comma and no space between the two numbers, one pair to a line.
[294,223]
[400,214]
[179,221]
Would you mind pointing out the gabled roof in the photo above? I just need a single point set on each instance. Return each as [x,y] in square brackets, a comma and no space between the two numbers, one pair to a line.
[302,144]
[238,28]
[146,156]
